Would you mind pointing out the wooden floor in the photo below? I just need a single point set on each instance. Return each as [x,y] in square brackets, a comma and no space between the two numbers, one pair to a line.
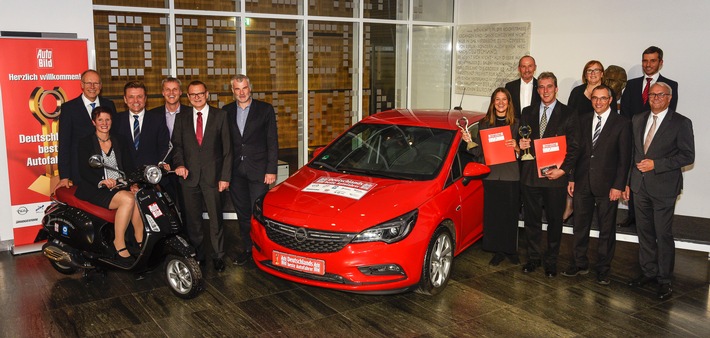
[480,301]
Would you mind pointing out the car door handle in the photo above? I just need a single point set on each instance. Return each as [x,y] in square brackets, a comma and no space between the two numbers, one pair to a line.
[458,208]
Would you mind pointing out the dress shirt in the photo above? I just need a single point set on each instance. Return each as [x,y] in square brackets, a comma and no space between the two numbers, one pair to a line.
[242,115]
[550,108]
[87,104]
[131,119]
[526,92]
[604,115]
[649,122]
[205,112]
[170,118]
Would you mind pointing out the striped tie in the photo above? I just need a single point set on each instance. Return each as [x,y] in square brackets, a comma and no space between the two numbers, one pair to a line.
[543,121]
[597,130]
[651,133]
[136,132]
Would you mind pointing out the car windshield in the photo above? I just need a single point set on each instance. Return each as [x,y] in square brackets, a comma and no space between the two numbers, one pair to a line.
[386,150]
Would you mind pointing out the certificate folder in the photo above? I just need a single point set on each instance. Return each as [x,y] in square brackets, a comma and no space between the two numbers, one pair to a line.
[494,149]
[550,153]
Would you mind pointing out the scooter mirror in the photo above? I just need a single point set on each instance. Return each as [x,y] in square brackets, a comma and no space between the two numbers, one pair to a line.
[96,162]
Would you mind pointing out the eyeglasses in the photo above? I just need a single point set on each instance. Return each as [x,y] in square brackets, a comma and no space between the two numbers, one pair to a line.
[591,71]
[91,84]
[602,98]
[196,95]
[657,95]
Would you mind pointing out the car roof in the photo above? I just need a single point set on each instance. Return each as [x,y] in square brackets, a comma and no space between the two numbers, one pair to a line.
[440,119]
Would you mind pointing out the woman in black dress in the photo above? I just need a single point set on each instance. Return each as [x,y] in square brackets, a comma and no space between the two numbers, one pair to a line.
[580,96]
[501,198]
[89,188]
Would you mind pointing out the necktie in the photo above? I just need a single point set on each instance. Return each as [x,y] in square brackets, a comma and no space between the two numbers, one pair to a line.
[93,105]
[543,121]
[597,130]
[198,128]
[136,131]
[649,136]
[644,95]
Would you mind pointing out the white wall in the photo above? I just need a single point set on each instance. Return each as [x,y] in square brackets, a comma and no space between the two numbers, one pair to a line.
[567,34]
[66,16]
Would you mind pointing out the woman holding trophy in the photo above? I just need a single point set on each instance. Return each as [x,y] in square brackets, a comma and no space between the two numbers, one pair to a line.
[501,187]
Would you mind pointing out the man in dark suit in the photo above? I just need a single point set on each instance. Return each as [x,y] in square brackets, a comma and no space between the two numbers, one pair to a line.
[523,91]
[145,132]
[549,118]
[203,158]
[75,123]
[255,143]
[171,93]
[598,179]
[662,145]
[635,100]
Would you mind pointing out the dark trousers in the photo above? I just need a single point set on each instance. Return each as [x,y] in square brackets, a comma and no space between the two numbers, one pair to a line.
[244,193]
[195,198]
[654,225]
[585,205]
[554,200]
[501,201]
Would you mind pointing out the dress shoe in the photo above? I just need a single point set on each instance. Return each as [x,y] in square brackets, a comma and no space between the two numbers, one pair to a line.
[665,291]
[627,222]
[530,266]
[202,263]
[243,258]
[218,264]
[574,271]
[514,259]
[641,281]
[603,279]
[550,272]
[497,259]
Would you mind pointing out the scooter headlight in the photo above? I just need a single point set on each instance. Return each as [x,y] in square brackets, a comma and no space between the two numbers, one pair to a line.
[153,174]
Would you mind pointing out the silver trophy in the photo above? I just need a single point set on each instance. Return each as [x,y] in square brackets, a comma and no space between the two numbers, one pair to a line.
[525,132]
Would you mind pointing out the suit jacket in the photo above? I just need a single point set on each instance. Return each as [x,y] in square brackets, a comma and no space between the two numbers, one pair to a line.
[632,100]
[258,146]
[210,162]
[606,165]
[154,137]
[514,88]
[672,148]
[562,122]
[89,178]
[75,124]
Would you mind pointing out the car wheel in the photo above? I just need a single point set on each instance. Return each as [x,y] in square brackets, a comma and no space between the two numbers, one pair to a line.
[63,268]
[183,276]
[437,262]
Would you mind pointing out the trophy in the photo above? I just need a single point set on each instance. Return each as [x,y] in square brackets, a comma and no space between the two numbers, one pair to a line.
[462,123]
[525,132]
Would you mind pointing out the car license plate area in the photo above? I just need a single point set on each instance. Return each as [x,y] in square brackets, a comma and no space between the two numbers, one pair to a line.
[298,263]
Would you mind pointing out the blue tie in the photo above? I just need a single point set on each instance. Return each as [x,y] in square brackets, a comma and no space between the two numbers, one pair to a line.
[136,131]
[93,105]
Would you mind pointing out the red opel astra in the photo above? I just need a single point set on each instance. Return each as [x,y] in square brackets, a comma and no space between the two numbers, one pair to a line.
[384,208]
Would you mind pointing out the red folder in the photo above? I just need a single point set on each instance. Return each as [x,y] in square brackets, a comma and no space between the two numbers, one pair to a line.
[550,153]
[494,149]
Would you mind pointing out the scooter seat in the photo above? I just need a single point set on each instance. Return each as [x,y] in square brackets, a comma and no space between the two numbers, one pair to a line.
[66,195]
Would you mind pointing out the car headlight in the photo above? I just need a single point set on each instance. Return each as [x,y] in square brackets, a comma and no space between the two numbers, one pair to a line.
[152,174]
[391,231]
[258,210]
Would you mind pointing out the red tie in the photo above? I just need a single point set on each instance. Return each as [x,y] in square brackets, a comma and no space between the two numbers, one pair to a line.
[644,95]
[198,129]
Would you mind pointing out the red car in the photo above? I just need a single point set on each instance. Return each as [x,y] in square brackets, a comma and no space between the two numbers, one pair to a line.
[383,208]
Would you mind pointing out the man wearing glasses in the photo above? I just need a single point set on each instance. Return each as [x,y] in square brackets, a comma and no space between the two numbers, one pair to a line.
[596,184]
[75,123]
[203,158]
[635,97]
[662,145]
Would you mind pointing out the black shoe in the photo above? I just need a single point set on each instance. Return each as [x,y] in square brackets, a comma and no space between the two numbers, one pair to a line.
[514,259]
[665,291]
[202,262]
[218,264]
[641,281]
[497,259]
[602,279]
[574,271]
[530,266]
[627,222]
[550,271]
[243,258]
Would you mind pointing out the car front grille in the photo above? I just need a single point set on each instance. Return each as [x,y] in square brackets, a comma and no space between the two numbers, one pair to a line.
[307,240]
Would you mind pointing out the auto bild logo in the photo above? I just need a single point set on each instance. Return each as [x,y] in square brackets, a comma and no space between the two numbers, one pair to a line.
[301,235]
[44,58]
[22,210]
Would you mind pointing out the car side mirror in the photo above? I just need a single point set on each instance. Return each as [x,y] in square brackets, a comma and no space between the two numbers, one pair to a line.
[474,170]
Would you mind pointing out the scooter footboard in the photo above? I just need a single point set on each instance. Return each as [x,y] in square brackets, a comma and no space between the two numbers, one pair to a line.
[176,245]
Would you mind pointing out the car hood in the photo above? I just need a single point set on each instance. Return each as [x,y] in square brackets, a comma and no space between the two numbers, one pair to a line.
[342,202]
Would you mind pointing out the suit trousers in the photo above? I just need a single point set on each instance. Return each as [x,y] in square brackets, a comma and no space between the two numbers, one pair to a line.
[554,200]
[195,198]
[585,205]
[654,225]
[244,193]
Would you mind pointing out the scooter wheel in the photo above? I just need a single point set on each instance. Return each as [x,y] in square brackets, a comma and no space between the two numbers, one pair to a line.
[183,276]
[64,269]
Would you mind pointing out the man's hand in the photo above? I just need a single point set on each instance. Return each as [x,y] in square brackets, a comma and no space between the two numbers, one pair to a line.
[554,174]
[614,194]
[222,186]
[524,143]
[570,189]
[645,165]
[269,178]
[182,172]
[626,193]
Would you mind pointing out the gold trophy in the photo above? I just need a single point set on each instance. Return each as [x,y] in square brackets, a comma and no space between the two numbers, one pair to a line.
[49,120]
[525,132]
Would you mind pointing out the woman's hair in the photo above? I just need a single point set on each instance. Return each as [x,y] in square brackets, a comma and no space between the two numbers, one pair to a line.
[98,110]
[491,114]
[589,65]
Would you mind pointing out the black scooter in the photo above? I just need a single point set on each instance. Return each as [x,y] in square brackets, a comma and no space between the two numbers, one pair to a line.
[80,234]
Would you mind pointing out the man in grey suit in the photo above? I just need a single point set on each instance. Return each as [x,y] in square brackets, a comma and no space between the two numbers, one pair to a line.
[662,145]
[523,91]
[203,158]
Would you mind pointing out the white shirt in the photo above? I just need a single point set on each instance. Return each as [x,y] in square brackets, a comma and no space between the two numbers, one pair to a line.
[649,122]
[654,79]
[526,91]
[604,115]
[131,119]
[205,112]
[87,104]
